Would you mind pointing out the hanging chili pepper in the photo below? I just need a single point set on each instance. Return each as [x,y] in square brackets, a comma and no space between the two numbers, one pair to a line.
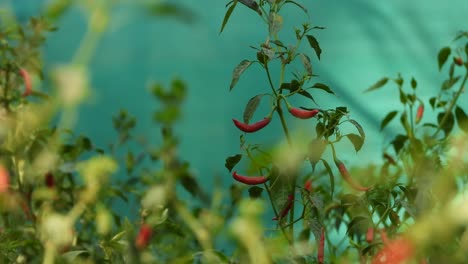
[345,174]
[252,127]
[49,180]
[286,209]
[249,180]
[144,236]
[419,113]
[458,61]
[308,185]
[27,82]
[4,179]
[301,113]
[321,249]
[370,235]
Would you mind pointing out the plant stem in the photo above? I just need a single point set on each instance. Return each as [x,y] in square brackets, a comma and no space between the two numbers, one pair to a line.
[450,108]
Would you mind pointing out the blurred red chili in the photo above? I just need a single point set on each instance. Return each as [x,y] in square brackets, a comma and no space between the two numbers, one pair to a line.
[345,174]
[308,185]
[27,82]
[254,180]
[370,235]
[321,249]
[252,127]
[419,113]
[4,179]
[49,180]
[458,61]
[286,209]
[396,251]
[301,113]
[144,236]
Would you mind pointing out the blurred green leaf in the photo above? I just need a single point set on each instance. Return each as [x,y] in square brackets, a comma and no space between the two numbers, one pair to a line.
[169,9]
[243,65]
[356,140]
[232,161]
[228,15]
[449,121]
[322,86]
[443,56]
[377,85]
[462,119]
[255,192]
[315,45]
[251,107]
[389,117]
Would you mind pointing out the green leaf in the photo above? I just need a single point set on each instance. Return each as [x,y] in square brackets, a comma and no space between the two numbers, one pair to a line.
[315,45]
[398,142]
[252,5]
[432,101]
[447,126]
[443,56]
[354,223]
[232,161]
[462,119]
[72,256]
[377,85]
[243,65]
[255,192]
[330,174]
[447,84]
[228,15]
[356,140]
[359,128]
[251,107]
[403,97]
[389,117]
[298,5]
[322,86]
[414,83]
[167,9]
[306,62]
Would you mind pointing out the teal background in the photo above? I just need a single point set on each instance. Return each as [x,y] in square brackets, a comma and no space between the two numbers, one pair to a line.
[364,40]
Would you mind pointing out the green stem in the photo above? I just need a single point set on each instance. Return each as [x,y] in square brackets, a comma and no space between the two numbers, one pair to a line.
[450,108]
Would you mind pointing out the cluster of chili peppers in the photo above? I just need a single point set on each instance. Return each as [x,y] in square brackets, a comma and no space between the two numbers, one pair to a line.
[296,112]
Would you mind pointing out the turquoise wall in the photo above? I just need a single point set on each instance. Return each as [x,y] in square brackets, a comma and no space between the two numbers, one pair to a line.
[364,41]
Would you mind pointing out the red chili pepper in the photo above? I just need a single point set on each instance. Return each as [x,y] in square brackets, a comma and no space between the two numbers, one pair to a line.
[389,158]
[144,236]
[27,82]
[252,127]
[384,237]
[301,113]
[419,113]
[49,180]
[249,180]
[286,209]
[345,174]
[4,179]
[321,249]
[370,235]
[458,61]
[308,185]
